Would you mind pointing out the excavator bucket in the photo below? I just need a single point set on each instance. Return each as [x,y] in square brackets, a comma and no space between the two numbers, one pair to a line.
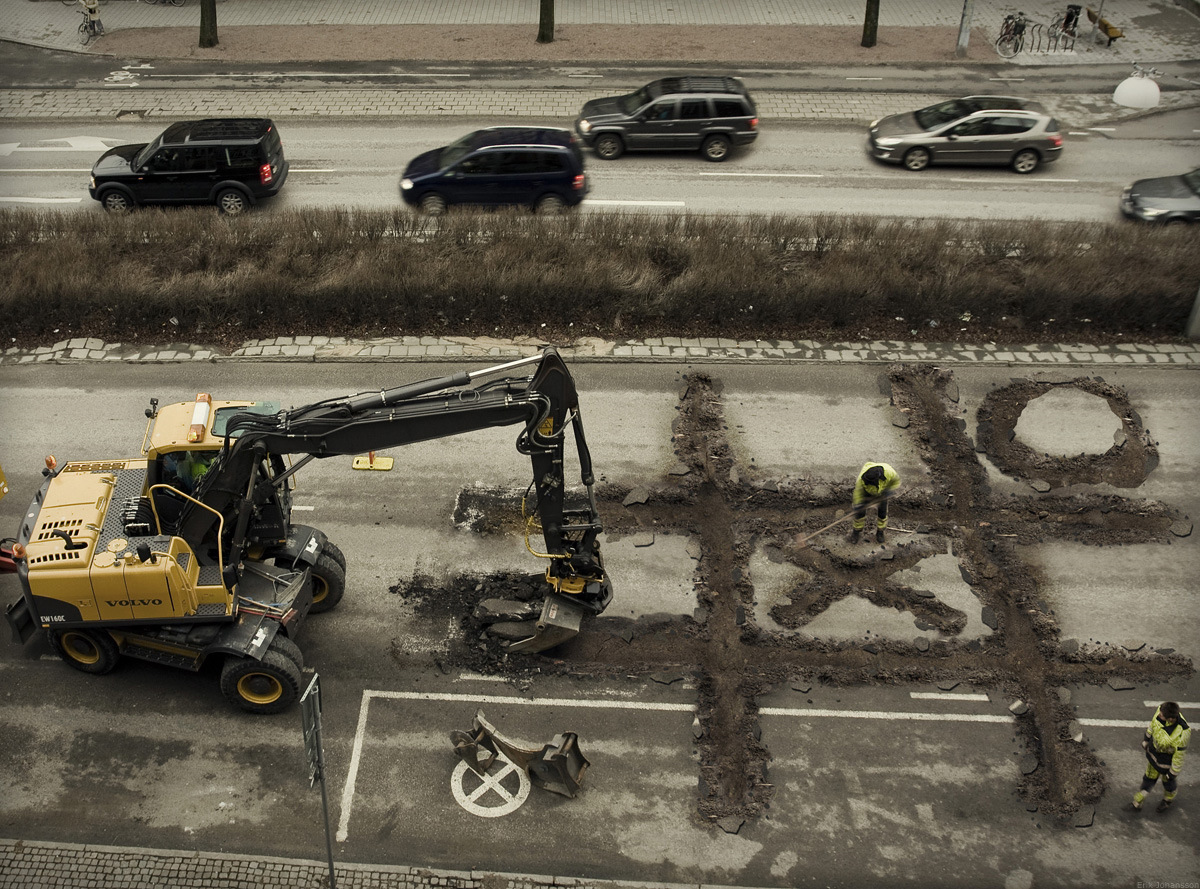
[558,766]
[561,619]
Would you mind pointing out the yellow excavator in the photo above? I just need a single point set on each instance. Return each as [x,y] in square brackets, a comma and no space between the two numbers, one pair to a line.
[189,551]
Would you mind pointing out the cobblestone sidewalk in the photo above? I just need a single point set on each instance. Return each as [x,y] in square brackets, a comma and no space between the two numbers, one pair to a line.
[31,865]
[430,348]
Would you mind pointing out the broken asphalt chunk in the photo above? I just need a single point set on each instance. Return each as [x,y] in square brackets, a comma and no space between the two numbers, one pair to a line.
[1040,485]
[1075,730]
[666,678]
[1029,764]
[1085,816]
[988,616]
[1181,529]
[679,469]
[1018,708]
[637,495]
[1120,685]
[646,538]
[731,823]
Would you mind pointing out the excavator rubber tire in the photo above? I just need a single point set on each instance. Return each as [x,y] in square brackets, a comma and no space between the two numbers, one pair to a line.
[332,550]
[267,686]
[329,583]
[91,651]
[288,649]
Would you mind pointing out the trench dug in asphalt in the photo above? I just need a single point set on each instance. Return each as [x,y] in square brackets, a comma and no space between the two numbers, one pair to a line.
[733,660]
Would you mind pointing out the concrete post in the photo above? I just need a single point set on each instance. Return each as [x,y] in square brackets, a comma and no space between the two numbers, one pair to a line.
[1193,325]
[964,30]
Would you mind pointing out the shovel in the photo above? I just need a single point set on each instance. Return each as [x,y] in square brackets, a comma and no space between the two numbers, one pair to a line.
[802,542]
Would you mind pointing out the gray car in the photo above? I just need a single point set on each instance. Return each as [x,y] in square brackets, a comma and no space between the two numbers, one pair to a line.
[1001,131]
[1170,200]
[693,113]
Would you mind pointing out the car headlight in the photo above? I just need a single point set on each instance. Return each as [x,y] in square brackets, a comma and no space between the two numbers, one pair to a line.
[92,182]
[585,126]
[406,183]
[888,141]
[1150,213]
[875,123]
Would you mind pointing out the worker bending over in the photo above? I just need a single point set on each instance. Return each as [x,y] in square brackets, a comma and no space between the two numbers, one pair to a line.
[876,483]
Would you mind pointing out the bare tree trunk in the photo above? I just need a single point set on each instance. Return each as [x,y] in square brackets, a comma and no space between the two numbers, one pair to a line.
[208,23]
[546,21]
[871,23]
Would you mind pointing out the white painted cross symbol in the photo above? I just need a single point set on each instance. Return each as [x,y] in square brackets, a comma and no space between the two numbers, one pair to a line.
[496,784]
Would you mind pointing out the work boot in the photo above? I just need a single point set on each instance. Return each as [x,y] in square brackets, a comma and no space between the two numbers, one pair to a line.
[1163,805]
[879,535]
[1136,805]
[856,535]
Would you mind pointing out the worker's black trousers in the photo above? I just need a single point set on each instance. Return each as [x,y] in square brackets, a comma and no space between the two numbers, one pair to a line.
[860,516]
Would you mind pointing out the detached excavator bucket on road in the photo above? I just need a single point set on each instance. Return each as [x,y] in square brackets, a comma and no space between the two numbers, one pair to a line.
[558,766]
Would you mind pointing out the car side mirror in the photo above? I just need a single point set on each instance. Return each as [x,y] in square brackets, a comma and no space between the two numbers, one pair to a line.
[952,136]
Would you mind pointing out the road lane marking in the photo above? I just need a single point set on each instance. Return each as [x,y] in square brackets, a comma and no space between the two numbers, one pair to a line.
[1182,704]
[40,200]
[592,203]
[318,74]
[767,175]
[493,784]
[885,715]
[864,78]
[1103,129]
[947,696]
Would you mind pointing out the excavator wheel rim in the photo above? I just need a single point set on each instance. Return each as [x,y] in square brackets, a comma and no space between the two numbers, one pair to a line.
[272,688]
[320,589]
[81,647]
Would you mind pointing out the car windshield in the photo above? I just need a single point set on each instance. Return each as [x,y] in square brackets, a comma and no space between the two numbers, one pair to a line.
[143,156]
[456,151]
[1193,181]
[634,101]
[943,113]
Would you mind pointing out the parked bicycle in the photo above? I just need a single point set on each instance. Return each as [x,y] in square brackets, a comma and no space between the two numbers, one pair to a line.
[163,2]
[1012,35]
[76,2]
[91,27]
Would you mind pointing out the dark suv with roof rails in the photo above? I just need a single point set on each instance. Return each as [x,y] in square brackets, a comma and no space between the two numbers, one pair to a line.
[232,162]
[538,167]
[708,114]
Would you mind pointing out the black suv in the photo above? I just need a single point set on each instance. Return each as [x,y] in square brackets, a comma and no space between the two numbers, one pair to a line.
[230,162]
[676,113]
[540,167]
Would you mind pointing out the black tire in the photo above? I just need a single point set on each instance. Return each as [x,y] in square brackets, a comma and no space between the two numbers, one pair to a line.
[550,205]
[329,583]
[116,201]
[609,146]
[177,2]
[1176,222]
[433,204]
[1026,161]
[331,550]
[90,651]
[715,148]
[917,159]
[85,33]
[267,686]
[288,649]
[232,202]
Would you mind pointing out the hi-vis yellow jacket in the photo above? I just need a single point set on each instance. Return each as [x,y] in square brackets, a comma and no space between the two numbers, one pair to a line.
[864,492]
[1165,744]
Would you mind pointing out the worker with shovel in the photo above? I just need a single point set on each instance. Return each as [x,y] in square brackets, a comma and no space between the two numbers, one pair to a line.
[876,483]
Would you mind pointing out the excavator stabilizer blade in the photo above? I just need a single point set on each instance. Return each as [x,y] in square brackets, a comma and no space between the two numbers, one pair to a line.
[558,766]
[560,620]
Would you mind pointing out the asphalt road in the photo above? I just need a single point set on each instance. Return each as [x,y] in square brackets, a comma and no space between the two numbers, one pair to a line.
[924,793]
[793,168]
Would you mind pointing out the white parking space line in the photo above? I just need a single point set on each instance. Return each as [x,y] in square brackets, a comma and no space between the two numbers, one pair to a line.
[946,696]
[1114,723]
[1183,705]
[1103,129]
[343,830]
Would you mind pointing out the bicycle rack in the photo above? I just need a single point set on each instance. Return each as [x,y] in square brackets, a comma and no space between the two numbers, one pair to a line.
[1038,38]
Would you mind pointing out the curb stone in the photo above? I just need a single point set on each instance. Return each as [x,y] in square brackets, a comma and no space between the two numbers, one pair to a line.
[658,349]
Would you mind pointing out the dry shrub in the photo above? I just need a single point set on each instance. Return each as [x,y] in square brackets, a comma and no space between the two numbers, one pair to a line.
[348,271]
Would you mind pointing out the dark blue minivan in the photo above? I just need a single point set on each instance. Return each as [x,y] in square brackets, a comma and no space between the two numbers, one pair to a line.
[538,167]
